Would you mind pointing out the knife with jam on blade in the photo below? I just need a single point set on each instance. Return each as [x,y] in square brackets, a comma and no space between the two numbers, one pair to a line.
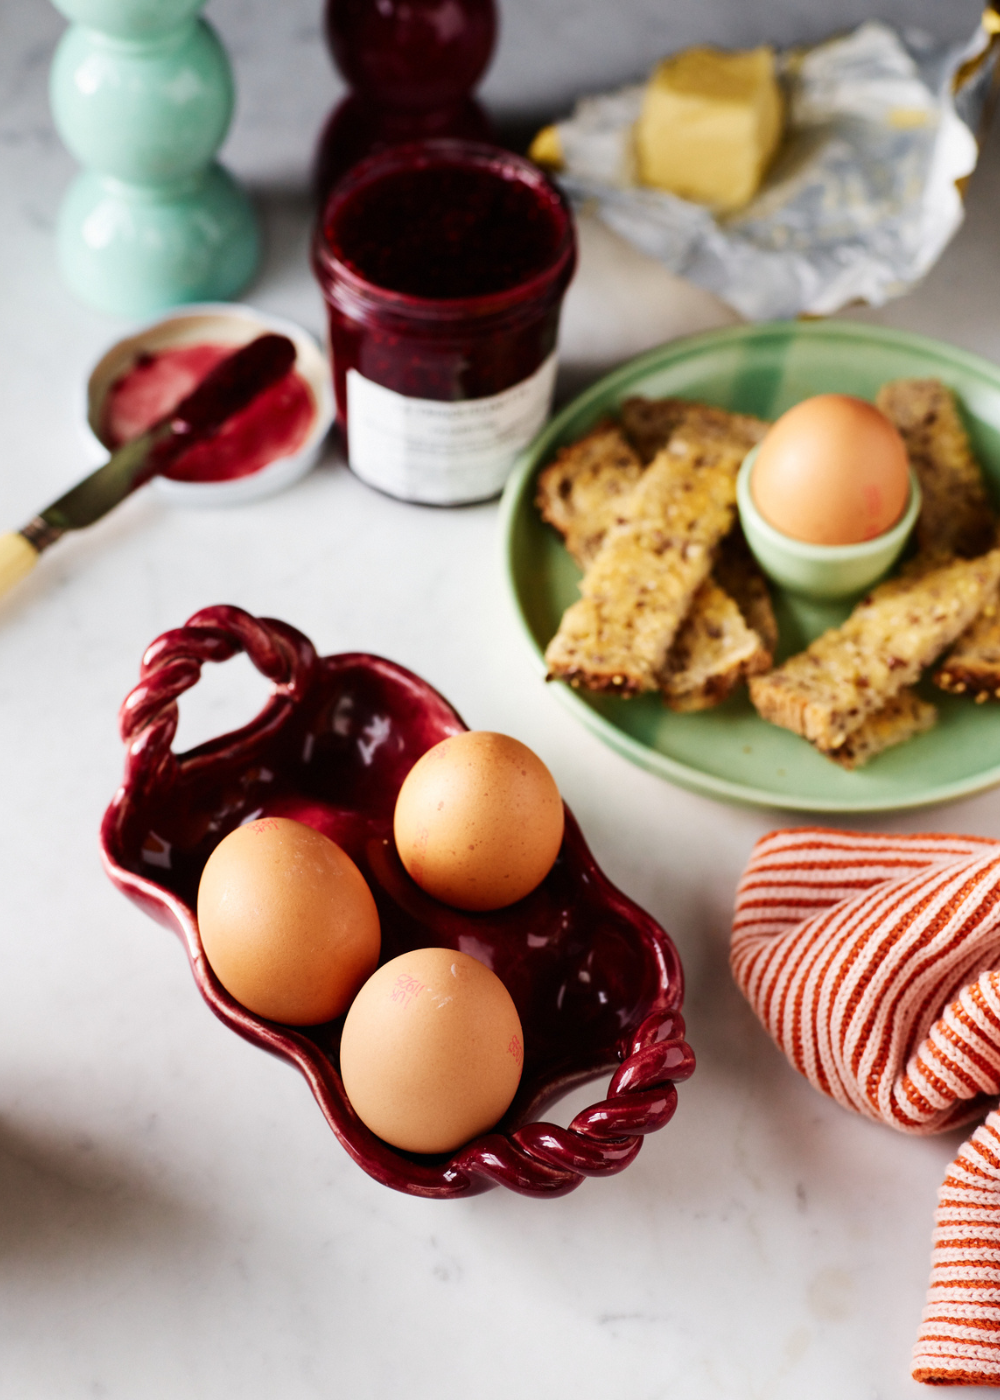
[232,386]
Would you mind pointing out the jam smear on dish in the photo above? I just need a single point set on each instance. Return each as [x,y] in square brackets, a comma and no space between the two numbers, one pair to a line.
[275,424]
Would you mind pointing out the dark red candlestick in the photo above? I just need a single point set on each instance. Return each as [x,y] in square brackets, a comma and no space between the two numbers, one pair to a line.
[412,65]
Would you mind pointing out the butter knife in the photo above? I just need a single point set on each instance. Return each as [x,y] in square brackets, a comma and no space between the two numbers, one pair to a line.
[231,386]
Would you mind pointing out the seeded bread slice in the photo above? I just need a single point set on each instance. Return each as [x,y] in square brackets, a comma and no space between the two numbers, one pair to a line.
[649,424]
[712,652]
[827,691]
[582,492]
[586,491]
[729,634]
[905,716]
[640,586]
[736,571]
[956,516]
[972,667]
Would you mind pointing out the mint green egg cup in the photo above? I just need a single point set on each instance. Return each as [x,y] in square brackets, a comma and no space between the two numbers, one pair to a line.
[820,571]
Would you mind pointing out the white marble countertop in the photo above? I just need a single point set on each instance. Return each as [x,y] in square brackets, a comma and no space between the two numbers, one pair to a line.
[176,1219]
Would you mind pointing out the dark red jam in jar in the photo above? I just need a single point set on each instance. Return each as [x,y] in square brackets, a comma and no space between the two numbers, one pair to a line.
[443,265]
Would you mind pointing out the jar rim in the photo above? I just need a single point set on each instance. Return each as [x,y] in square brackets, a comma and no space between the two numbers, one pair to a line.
[552,278]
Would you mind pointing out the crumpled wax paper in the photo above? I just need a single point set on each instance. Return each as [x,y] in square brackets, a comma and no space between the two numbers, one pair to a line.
[860,201]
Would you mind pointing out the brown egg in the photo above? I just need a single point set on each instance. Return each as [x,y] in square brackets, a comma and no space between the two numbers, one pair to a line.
[432,1050]
[832,470]
[479,821]
[288,923]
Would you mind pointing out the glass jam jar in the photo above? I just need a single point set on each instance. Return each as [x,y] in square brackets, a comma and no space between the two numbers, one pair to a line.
[443,265]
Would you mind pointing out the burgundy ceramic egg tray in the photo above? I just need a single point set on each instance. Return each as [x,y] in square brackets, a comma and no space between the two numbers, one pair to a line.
[597,983]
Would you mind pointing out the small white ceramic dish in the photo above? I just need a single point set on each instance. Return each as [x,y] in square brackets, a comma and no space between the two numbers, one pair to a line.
[822,571]
[222,324]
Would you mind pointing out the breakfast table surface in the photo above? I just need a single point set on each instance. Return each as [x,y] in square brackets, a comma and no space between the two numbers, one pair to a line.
[176,1217]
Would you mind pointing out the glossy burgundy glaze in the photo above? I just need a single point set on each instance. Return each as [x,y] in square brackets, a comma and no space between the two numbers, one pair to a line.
[412,53]
[412,65]
[358,128]
[469,326]
[597,983]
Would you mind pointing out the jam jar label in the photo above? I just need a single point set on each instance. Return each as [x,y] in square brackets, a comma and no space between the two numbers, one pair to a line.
[442,453]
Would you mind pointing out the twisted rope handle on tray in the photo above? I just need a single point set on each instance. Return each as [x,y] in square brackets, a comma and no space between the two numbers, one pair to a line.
[603,1139]
[172,664]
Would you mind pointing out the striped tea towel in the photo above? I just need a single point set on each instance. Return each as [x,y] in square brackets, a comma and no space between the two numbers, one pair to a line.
[874,963]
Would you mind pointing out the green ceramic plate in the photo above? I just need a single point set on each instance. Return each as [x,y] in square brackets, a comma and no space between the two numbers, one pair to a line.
[729,752]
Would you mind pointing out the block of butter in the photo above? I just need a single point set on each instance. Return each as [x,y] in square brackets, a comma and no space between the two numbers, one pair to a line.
[546,149]
[709,125]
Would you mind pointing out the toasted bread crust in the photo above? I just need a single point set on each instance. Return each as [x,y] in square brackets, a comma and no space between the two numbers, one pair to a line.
[581,493]
[956,516]
[638,590]
[827,691]
[902,718]
[972,667]
[649,424]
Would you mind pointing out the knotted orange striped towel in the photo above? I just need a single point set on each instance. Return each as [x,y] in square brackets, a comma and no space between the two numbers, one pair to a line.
[874,963]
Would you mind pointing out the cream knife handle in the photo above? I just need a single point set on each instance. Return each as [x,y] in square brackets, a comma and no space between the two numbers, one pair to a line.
[18,557]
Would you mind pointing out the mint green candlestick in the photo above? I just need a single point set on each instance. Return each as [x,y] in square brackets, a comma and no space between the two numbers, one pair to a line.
[142,95]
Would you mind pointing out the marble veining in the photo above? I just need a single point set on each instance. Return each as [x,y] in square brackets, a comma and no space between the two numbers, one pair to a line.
[176,1219]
